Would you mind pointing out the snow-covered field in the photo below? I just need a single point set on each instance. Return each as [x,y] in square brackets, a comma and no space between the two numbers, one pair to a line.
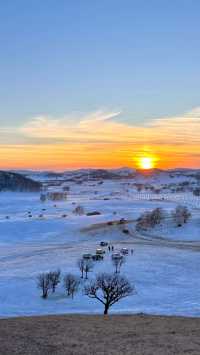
[166,275]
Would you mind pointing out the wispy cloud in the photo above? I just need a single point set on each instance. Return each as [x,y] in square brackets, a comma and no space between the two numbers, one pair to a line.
[101,138]
[102,126]
[80,128]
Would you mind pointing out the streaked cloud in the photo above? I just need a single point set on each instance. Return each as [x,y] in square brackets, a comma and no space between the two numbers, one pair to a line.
[101,139]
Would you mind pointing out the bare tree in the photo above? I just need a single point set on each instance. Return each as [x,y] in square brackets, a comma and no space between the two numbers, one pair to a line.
[196,191]
[181,214]
[118,262]
[150,219]
[43,197]
[186,214]
[109,289]
[71,284]
[79,210]
[87,267]
[144,221]
[44,283]
[54,279]
[157,215]
[80,265]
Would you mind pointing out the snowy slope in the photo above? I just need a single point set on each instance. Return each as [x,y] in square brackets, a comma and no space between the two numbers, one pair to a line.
[160,272]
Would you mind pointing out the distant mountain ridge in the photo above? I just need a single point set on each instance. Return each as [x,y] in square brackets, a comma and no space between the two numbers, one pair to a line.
[10,181]
[81,174]
[156,175]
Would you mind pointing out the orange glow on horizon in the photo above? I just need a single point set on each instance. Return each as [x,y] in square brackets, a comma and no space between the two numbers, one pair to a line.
[75,156]
[98,141]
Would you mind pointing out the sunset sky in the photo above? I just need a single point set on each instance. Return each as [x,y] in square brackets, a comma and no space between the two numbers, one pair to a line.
[99,83]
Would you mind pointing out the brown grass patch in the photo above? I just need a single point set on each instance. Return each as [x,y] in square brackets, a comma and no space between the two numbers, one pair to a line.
[111,335]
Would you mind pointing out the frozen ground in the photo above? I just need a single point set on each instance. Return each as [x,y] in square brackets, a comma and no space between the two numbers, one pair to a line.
[166,275]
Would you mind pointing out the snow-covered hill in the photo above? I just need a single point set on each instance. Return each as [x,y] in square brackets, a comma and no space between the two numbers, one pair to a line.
[38,236]
[10,181]
[142,176]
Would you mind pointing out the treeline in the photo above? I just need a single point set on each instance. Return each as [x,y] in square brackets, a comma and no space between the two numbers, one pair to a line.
[149,219]
[10,181]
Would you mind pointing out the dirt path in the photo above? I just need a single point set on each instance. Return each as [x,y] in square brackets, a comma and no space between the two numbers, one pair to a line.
[143,238]
[113,223]
[149,239]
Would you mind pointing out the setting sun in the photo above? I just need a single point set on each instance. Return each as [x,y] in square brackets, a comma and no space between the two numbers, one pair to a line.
[146,163]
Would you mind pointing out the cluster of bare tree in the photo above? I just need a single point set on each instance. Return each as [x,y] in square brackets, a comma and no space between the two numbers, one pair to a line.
[105,288]
[85,266]
[180,215]
[71,284]
[196,191]
[53,196]
[150,219]
[48,281]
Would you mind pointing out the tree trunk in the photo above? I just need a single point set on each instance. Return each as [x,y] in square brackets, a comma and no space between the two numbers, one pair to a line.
[44,295]
[106,309]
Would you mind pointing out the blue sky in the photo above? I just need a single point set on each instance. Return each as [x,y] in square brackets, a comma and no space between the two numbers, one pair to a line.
[139,57]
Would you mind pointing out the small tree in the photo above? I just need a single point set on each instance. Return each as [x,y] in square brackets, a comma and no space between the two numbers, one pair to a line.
[186,214]
[181,214]
[43,197]
[44,283]
[196,191]
[54,279]
[144,221]
[108,289]
[79,210]
[80,265]
[150,219]
[71,284]
[157,215]
[87,267]
[118,262]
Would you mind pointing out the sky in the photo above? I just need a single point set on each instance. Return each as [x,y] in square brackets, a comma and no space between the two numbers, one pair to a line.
[99,83]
